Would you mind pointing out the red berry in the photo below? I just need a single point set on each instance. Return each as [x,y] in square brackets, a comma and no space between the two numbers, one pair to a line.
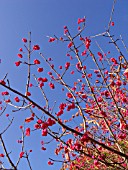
[39,121]
[30,85]
[78,66]
[80,20]
[36,61]
[84,53]
[60,67]
[40,69]
[17,63]
[60,113]
[7,101]
[27,132]
[79,28]
[70,44]
[41,85]
[65,27]
[24,40]
[112,23]
[44,132]
[1,155]
[36,47]
[28,94]
[89,75]
[49,59]
[37,126]
[49,73]
[21,127]
[39,79]
[44,125]
[69,95]
[50,163]
[52,39]
[5,93]
[65,31]
[20,49]
[17,99]
[50,122]
[51,85]
[43,148]
[44,79]
[33,114]
[2,82]
[21,154]
[61,38]
[87,42]
[67,65]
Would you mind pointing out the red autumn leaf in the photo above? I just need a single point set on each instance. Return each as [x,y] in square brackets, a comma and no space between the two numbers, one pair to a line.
[29,119]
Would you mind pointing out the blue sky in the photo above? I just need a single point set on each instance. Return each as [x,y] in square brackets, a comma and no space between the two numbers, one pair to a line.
[42,18]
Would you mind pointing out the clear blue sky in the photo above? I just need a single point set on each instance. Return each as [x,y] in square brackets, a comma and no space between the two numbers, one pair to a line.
[42,18]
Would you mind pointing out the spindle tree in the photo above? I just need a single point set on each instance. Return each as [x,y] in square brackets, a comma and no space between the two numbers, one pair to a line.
[89,124]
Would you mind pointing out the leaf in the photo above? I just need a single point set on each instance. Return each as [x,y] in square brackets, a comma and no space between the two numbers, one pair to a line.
[93,121]
[29,119]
